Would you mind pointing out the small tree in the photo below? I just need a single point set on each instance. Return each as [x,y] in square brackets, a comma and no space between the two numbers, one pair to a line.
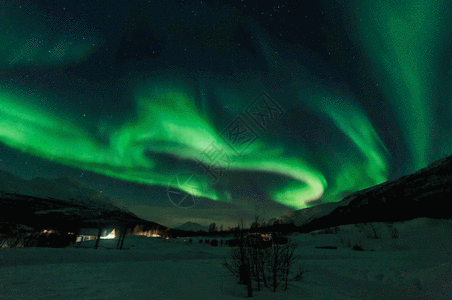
[275,264]
[288,259]
[257,222]
[240,259]
[213,228]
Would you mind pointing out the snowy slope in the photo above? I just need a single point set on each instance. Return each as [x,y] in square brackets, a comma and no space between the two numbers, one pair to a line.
[304,216]
[426,193]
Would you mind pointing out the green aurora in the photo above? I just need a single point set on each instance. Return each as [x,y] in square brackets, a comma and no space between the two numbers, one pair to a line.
[172,119]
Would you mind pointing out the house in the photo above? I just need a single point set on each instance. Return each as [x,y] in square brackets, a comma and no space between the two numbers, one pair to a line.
[102,230]
[88,234]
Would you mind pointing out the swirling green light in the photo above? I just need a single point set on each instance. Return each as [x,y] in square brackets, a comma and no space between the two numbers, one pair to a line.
[173,116]
[402,40]
[166,121]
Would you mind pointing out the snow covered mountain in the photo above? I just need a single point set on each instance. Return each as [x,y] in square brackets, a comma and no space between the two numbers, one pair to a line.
[63,189]
[304,216]
[40,201]
[191,226]
[426,193]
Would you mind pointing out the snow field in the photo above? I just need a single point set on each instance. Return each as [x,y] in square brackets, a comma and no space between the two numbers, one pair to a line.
[152,268]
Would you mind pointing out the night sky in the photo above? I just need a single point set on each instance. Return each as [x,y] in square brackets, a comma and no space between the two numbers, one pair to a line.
[212,111]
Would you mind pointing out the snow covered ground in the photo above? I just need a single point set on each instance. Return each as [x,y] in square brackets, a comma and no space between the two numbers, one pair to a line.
[417,265]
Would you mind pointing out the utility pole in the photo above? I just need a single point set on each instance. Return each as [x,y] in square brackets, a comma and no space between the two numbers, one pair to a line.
[122,236]
[98,236]
[120,229]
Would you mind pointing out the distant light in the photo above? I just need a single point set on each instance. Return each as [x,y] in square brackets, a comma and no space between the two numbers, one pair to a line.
[111,236]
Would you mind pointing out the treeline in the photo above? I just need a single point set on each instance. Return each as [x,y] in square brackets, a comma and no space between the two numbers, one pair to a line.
[256,226]
[17,235]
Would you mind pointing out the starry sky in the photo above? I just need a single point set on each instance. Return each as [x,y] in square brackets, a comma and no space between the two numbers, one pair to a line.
[212,111]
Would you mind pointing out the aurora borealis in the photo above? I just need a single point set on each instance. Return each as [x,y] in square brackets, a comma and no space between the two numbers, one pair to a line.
[138,92]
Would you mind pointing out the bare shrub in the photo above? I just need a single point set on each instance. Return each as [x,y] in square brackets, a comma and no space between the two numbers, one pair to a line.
[357,248]
[378,230]
[239,262]
[288,259]
[369,230]
[252,260]
[302,269]
[393,232]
